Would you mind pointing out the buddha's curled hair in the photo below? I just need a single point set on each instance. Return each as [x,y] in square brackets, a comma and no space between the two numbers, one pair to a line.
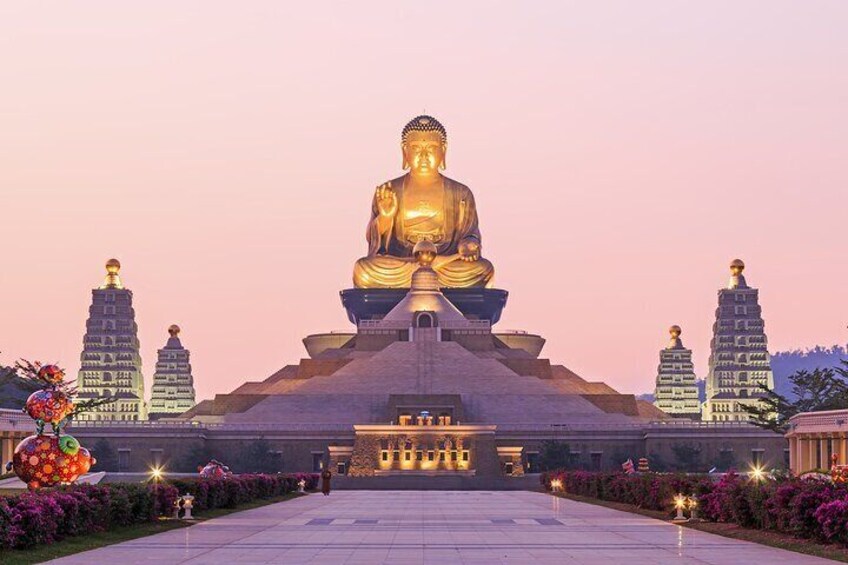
[424,123]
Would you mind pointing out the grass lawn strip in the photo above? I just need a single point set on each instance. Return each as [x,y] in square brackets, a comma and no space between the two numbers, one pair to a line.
[764,537]
[76,544]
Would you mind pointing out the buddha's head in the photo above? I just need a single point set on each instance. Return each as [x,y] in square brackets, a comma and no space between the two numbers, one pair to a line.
[424,143]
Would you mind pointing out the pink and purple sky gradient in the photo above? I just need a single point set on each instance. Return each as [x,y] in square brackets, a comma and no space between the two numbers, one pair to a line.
[621,154]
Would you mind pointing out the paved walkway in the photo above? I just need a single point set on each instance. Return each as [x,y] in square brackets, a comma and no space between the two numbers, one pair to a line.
[409,527]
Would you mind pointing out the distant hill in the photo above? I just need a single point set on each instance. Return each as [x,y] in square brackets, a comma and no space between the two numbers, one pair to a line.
[14,390]
[786,363]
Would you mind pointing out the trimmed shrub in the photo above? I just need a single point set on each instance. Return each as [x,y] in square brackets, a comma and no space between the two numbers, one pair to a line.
[806,508]
[49,515]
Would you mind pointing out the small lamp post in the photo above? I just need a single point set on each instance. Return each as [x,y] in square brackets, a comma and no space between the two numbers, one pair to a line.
[693,508]
[556,485]
[680,504]
[188,502]
[301,486]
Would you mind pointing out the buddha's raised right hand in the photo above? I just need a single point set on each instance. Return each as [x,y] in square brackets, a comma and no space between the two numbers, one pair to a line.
[386,198]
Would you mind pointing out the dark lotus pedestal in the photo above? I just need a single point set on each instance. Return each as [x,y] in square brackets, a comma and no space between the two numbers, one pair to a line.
[375,303]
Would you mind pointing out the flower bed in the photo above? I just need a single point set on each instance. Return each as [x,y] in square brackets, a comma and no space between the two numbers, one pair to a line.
[805,508]
[49,515]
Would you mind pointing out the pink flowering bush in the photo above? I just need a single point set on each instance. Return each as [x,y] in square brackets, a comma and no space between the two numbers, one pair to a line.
[832,517]
[806,508]
[49,515]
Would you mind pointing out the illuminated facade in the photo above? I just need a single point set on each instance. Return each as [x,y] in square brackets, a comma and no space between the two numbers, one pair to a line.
[739,359]
[173,384]
[110,359]
[676,393]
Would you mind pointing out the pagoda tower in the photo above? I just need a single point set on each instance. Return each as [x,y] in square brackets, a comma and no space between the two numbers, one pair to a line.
[739,359]
[676,393]
[110,359]
[173,385]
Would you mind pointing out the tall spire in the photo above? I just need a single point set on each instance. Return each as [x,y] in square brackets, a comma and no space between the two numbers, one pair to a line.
[737,279]
[113,267]
[173,383]
[675,392]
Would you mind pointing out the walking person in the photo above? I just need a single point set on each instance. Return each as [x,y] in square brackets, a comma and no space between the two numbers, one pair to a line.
[326,475]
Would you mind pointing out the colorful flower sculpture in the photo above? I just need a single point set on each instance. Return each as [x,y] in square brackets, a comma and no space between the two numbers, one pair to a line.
[215,470]
[48,460]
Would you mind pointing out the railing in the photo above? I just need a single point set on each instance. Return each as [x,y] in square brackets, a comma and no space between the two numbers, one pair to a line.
[15,420]
[833,420]
[623,426]
[200,426]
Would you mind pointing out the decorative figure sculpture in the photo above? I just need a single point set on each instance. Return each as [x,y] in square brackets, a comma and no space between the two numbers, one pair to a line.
[838,473]
[48,460]
[215,470]
[423,205]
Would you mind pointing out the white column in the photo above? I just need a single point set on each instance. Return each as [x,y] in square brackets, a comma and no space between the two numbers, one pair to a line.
[812,443]
[6,450]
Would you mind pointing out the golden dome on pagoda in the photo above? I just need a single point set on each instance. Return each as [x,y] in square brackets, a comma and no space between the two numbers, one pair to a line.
[174,330]
[737,266]
[113,266]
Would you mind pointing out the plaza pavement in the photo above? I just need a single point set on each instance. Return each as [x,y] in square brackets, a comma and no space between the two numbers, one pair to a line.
[410,527]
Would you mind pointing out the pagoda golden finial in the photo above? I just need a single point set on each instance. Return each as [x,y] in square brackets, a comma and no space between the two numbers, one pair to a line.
[737,279]
[113,267]
[174,330]
[737,266]
[675,342]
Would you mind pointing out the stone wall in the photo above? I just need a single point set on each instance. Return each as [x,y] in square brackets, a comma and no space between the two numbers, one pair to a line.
[298,450]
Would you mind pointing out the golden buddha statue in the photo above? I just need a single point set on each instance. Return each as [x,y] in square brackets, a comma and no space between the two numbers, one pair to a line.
[422,205]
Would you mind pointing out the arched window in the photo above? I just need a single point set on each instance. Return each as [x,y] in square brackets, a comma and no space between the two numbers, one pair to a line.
[424,320]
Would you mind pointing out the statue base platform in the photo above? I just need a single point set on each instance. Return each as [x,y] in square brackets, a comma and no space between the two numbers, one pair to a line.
[375,303]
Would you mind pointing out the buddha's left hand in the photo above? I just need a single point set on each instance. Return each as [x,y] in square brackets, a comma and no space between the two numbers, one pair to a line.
[469,250]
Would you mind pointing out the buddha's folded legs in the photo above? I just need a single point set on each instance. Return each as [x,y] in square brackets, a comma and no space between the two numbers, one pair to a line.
[385,271]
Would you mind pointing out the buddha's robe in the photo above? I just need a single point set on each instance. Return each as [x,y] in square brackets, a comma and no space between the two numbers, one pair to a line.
[445,223]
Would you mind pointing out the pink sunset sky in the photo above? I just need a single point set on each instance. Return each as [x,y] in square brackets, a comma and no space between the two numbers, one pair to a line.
[621,154]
